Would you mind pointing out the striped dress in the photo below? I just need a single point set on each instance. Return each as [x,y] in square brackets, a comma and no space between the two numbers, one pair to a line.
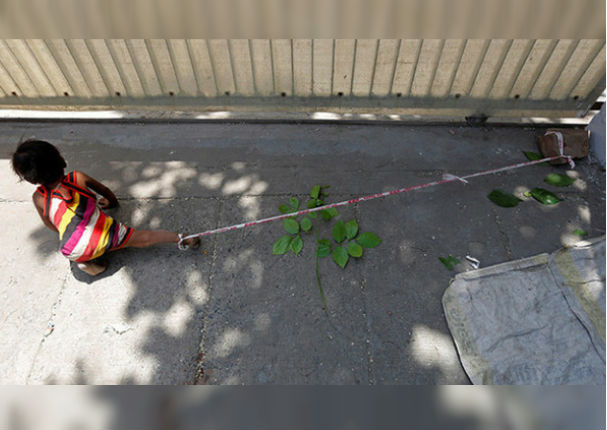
[85,232]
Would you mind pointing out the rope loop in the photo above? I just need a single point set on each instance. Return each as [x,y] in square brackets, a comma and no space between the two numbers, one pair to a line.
[561,143]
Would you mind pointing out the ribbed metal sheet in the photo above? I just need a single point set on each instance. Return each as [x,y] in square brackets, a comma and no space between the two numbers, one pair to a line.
[485,75]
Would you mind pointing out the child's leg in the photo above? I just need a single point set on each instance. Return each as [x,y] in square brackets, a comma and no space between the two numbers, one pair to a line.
[145,238]
[91,268]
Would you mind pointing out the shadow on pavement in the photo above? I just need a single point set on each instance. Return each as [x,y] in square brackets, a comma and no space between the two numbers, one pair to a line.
[232,313]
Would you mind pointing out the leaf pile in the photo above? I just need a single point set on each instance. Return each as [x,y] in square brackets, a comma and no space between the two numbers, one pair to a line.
[348,242]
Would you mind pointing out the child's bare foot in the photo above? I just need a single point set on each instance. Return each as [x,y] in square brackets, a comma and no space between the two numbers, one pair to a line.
[92,268]
[192,243]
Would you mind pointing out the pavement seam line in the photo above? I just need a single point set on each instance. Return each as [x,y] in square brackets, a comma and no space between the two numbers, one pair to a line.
[49,324]
[505,238]
[363,289]
[370,361]
[199,374]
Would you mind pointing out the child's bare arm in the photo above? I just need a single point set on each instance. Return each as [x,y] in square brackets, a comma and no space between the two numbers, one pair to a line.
[39,204]
[85,180]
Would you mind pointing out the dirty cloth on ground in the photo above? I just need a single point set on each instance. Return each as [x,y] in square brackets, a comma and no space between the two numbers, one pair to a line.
[539,320]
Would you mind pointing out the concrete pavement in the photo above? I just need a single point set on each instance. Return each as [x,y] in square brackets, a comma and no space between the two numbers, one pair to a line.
[232,313]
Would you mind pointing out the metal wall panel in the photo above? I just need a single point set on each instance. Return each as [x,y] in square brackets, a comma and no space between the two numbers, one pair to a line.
[447,67]
[100,51]
[458,76]
[283,66]
[130,79]
[405,66]
[322,67]
[221,58]
[467,70]
[21,50]
[203,67]
[263,70]
[365,62]
[302,67]
[243,67]
[343,67]
[67,63]
[384,67]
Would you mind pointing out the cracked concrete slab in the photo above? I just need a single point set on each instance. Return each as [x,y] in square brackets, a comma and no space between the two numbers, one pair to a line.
[404,288]
[141,321]
[265,318]
[31,281]
[232,313]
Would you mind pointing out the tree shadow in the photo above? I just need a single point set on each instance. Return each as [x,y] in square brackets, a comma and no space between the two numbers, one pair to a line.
[232,313]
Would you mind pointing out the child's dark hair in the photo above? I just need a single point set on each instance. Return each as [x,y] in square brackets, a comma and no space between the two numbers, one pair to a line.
[38,162]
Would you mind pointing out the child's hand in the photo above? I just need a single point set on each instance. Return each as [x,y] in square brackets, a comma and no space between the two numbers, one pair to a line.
[103,203]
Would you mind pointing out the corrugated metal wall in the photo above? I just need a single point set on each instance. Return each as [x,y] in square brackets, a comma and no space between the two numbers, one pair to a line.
[457,76]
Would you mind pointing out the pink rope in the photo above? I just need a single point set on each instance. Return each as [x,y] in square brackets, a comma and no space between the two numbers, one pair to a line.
[561,143]
[446,178]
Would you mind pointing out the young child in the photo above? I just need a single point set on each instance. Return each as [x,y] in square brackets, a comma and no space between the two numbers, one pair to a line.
[68,204]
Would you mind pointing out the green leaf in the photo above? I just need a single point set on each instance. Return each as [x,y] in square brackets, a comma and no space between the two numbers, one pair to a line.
[355,250]
[315,191]
[281,245]
[296,245]
[306,224]
[544,196]
[294,202]
[449,262]
[325,215]
[559,180]
[527,194]
[291,226]
[351,229]
[340,256]
[284,209]
[313,215]
[325,242]
[332,212]
[311,203]
[503,199]
[323,194]
[368,240]
[339,231]
[323,250]
[532,156]
[580,233]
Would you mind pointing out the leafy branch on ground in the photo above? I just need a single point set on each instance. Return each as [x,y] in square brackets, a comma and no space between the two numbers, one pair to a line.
[347,242]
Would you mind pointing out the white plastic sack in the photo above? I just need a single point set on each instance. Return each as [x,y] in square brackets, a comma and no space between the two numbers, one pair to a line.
[540,320]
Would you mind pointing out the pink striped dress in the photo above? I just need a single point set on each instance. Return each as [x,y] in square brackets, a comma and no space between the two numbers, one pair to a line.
[85,232]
